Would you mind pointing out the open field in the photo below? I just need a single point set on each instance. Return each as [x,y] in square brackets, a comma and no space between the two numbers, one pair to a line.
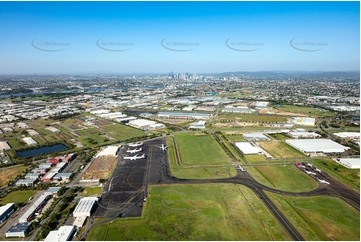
[91,191]
[348,177]
[203,173]
[254,159]
[196,212]
[122,132]
[285,178]
[9,173]
[104,132]
[200,149]
[196,173]
[320,218]
[252,118]
[101,168]
[279,136]
[311,111]
[18,196]
[280,149]
[234,137]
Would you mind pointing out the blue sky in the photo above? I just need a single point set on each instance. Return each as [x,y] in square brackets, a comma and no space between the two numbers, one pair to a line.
[160,37]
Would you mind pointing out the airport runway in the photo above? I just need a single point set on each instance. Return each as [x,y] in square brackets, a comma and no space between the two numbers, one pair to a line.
[123,195]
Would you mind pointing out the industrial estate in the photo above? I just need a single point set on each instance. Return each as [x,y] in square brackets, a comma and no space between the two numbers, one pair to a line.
[180,157]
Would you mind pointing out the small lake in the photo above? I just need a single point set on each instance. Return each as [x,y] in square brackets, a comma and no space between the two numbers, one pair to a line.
[41,151]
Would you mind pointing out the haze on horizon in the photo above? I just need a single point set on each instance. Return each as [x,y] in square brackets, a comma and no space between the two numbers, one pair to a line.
[194,37]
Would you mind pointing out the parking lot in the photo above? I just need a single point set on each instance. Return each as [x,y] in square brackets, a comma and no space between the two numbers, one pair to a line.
[124,194]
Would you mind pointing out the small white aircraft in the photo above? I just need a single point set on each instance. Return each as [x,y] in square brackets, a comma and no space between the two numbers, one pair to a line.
[323,181]
[163,147]
[135,144]
[136,157]
[310,173]
[241,168]
[134,151]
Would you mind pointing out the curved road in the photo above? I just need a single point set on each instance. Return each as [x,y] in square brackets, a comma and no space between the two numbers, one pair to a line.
[243,178]
[333,189]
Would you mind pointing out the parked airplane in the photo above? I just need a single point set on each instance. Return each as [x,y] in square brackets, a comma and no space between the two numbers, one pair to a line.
[241,168]
[134,151]
[136,157]
[163,147]
[135,144]
[324,181]
[310,173]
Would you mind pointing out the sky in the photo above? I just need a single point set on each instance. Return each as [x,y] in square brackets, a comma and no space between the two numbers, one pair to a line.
[195,37]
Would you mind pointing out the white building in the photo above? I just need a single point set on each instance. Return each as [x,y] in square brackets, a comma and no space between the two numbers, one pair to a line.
[53,129]
[239,109]
[260,105]
[255,136]
[303,134]
[102,111]
[64,233]
[353,163]
[145,124]
[198,125]
[32,132]
[19,230]
[85,206]
[4,145]
[248,149]
[29,141]
[6,211]
[317,145]
[348,135]
[35,207]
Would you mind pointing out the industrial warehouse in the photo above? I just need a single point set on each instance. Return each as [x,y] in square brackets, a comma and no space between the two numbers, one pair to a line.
[183,115]
[248,148]
[317,146]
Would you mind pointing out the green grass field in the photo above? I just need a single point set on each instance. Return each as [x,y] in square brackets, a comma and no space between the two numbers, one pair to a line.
[200,149]
[91,191]
[196,212]
[234,137]
[18,197]
[196,173]
[285,178]
[9,173]
[280,149]
[348,177]
[252,118]
[122,132]
[311,111]
[320,218]
[254,159]
[279,136]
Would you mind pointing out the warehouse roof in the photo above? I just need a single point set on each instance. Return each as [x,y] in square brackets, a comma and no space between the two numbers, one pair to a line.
[317,145]
[85,205]
[64,233]
[248,148]
[4,208]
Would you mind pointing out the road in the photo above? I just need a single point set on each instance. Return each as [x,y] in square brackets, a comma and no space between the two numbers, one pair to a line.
[155,170]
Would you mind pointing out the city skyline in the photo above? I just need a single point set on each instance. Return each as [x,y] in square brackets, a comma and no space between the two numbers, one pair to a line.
[195,37]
